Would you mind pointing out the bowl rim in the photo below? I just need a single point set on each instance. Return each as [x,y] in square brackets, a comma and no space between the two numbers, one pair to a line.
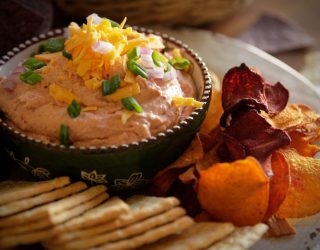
[205,98]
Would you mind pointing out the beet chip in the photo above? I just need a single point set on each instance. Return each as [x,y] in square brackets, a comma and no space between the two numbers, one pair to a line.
[243,88]
[252,133]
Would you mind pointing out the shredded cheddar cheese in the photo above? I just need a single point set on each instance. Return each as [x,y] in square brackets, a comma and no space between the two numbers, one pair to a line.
[89,108]
[126,115]
[130,77]
[93,83]
[186,101]
[47,57]
[127,91]
[90,64]
[176,53]
[61,94]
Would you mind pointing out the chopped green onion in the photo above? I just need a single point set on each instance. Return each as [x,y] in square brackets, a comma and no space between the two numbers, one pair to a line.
[33,63]
[64,134]
[67,55]
[134,53]
[30,77]
[108,87]
[131,104]
[74,109]
[52,45]
[114,24]
[137,69]
[180,63]
[159,60]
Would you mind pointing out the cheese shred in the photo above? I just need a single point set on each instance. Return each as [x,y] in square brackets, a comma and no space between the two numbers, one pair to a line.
[186,101]
[93,65]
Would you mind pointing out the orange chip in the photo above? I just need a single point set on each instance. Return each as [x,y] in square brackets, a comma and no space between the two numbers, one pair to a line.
[303,198]
[215,111]
[279,183]
[301,143]
[237,192]
[296,116]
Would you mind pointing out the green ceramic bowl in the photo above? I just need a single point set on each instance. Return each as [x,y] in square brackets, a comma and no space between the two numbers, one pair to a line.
[120,167]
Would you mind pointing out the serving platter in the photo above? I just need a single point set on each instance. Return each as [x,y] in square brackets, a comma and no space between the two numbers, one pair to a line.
[220,53]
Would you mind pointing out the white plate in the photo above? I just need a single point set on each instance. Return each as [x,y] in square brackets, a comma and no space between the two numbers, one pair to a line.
[220,53]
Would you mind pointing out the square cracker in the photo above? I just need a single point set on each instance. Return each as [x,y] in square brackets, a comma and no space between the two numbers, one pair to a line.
[152,235]
[26,203]
[107,211]
[241,238]
[82,240]
[200,236]
[52,208]
[141,207]
[24,239]
[16,190]
[56,218]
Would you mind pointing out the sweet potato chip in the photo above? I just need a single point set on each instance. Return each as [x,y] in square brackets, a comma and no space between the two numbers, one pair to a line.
[187,197]
[250,134]
[164,179]
[189,177]
[237,192]
[215,109]
[209,158]
[244,89]
[279,227]
[203,216]
[301,143]
[297,117]
[303,198]
[209,141]
[279,183]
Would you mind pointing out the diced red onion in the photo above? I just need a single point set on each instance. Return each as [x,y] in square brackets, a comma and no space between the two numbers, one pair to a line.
[95,18]
[170,75]
[102,47]
[145,51]
[146,61]
[18,70]
[9,85]
[155,73]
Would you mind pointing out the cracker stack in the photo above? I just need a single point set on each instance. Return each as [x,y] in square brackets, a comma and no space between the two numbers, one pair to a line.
[212,236]
[64,215]
[30,210]
[148,220]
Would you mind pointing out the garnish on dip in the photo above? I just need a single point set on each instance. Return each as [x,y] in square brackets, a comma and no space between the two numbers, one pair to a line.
[33,63]
[30,77]
[64,135]
[74,109]
[67,55]
[123,85]
[131,104]
[108,87]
